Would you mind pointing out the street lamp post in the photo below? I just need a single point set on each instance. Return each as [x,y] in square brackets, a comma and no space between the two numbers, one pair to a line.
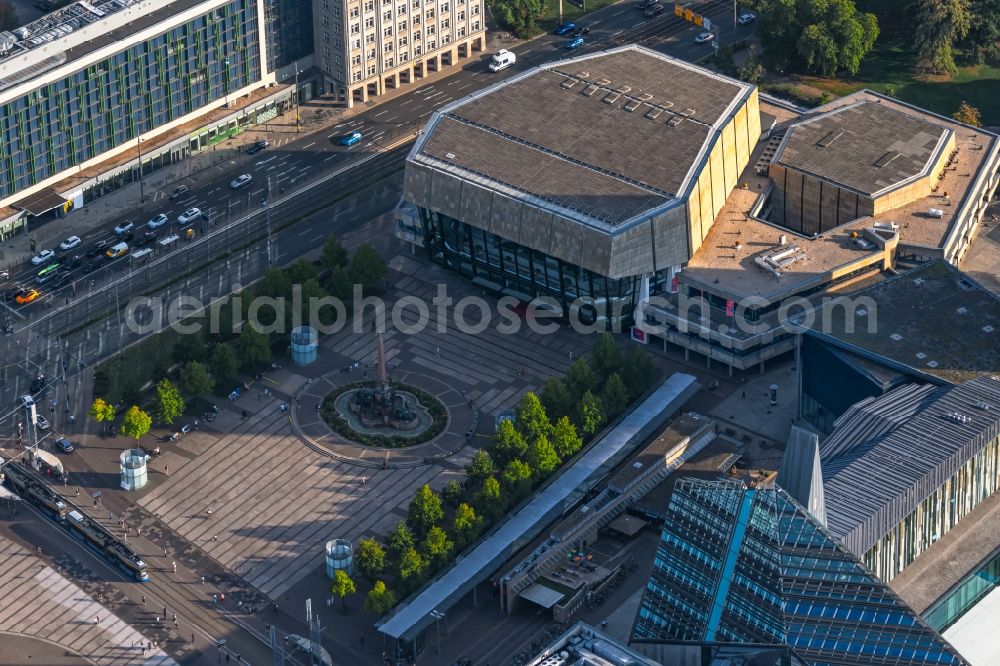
[296,93]
[225,64]
[438,616]
[142,193]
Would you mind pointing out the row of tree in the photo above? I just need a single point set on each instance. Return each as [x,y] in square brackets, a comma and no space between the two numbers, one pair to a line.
[544,434]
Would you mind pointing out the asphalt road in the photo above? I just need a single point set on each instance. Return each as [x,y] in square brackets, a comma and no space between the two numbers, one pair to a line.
[316,154]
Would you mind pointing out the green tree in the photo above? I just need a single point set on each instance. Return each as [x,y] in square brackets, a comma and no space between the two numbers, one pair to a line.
[453,493]
[370,557]
[136,423]
[565,439]
[189,347]
[425,510]
[334,255]
[340,285]
[614,397]
[508,443]
[519,15]
[466,523]
[437,545]
[489,500]
[530,418]
[542,457]
[556,398]
[102,412]
[276,284]
[223,363]
[169,401]
[638,373]
[367,267]
[301,271]
[819,36]
[481,467]
[252,348]
[342,586]
[399,540]
[195,380]
[380,599]
[580,379]
[937,26]
[967,114]
[8,16]
[311,289]
[411,565]
[590,413]
[517,478]
[984,31]
[605,357]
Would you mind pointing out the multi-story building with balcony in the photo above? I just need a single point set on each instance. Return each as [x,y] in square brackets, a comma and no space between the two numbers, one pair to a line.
[367,47]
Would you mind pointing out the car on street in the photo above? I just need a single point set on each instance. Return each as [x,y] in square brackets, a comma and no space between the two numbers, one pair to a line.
[41,422]
[258,146]
[146,238]
[643,5]
[94,264]
[43,257]
[124,228]
[70,243]
[655,10]
[64,445]
[37,384]
[189,216]
[350,139]
[704,37]
[746,18]
[60,279]
[580,32]
[242,181]
[27,400]
[74,262]
[180,191]
[99,248]
[574,43]
[25,296]
[565,29]
[157,221]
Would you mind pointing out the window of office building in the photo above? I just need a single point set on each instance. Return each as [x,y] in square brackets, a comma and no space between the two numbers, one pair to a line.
[111,102]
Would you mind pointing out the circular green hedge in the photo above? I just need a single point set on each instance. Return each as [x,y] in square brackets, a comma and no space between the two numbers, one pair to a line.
[340,425]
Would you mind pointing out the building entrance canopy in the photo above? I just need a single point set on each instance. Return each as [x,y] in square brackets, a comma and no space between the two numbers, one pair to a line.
[41,202]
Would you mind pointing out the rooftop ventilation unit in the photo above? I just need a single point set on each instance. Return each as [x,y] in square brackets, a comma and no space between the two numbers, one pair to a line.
[779,259]
[569,82]
[654,112]
[589,90]
[675,121]
[645,97]
[611,97]
[829,138]
[985,406]
[955,417]
[631,105]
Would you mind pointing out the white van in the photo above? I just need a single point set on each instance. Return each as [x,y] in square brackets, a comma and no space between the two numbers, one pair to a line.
[117,250]
[502,59]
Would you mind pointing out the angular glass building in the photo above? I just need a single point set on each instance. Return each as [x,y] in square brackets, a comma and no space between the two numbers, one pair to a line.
[747,576]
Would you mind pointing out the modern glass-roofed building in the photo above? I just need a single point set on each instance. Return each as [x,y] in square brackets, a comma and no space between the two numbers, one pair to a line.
[747,576]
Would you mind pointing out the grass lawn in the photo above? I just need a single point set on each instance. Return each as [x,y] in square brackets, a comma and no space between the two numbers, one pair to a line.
[890,69]
[571,13]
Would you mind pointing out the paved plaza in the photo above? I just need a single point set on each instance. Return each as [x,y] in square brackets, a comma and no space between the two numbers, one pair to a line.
[280,484]
[40,603]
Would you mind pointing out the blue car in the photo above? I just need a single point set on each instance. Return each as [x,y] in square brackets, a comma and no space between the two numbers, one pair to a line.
[350,139]
[574,43]
[565,29]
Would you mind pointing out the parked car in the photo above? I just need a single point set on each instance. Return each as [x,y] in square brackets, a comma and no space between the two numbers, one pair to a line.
[189,216]
[242,181]
[157,221]
[70,243]
[41,422]
[746,18]
[99,248]
[124,228]
[25,296]
[64,445]
[258,146]
[350,139]
[574,43]
[43,257]
[180,191]
[704,37]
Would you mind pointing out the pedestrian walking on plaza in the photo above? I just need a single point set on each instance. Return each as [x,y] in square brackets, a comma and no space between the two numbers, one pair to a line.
[138,531]
[202,580]
[164,612]
[164,551]
[97,619]
[215,598]
[144,600]
[192,637]
[363,480]
[166,470]
[209,513]
[222,597]
[174,565]
[157,619]
[215,538]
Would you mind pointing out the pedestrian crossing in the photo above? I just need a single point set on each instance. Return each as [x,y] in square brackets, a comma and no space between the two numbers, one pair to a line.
[39,602]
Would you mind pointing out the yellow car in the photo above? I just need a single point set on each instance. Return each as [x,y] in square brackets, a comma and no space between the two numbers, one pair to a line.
[25,296]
